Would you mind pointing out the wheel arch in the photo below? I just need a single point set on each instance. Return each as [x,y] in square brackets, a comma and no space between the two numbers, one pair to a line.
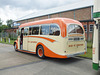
[39,44]
[50,53]
[16,42]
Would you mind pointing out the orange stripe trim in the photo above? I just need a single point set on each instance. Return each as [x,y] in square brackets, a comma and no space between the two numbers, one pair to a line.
[26,51]
[49,53]
[51,40]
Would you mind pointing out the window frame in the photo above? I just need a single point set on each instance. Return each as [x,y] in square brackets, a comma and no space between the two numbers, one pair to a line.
[58,27]
[27,32]
[90,27]
[86,27]
[35,26]
[44,25]
[74,24]
[31,30]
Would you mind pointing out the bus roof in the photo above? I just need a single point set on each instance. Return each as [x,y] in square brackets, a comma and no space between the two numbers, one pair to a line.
[51,20]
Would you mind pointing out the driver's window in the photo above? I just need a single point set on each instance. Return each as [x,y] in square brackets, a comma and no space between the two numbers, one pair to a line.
[19,31]
[25,31]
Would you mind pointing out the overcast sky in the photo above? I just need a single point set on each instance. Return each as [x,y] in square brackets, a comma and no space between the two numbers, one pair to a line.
[14,9]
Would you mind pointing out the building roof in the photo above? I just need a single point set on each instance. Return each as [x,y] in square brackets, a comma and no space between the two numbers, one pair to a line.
[78,5]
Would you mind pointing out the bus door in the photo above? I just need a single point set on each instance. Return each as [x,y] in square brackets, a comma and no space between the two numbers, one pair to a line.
[33,31]
[21,39]
[25,38]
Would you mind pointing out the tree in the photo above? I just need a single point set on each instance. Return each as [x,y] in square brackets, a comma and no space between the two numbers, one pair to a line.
[9,23]
[0,22]
[3,27]
[0,29]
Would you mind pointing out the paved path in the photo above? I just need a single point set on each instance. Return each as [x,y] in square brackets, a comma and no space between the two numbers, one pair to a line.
[18,63]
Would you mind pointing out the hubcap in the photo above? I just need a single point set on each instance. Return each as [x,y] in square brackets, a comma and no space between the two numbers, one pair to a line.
[15,46]
[40,52]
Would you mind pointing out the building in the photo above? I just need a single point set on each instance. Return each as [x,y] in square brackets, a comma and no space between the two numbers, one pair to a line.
[81,11]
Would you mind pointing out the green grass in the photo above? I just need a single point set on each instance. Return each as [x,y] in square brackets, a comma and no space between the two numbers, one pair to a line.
[89,44]
[89,51]
[7,42]
[88,54]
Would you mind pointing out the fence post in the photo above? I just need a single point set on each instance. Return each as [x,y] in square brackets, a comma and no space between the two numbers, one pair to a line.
[5,39]
[9,40]
[1,38]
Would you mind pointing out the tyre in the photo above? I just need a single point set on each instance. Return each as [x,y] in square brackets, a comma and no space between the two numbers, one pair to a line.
[15,47]
[40,52]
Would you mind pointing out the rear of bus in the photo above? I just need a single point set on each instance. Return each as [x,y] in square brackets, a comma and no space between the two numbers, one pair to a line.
[76,44]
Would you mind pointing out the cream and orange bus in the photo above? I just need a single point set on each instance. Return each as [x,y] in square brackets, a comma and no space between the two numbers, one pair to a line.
[55,37]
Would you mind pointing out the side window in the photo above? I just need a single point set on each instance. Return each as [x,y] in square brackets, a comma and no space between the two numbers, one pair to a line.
[44,30]
[78,29]
[85,27]
[30,30]
[35,30]
[54,30]
[74,28]
[25,31]
[71,29]
[91,28]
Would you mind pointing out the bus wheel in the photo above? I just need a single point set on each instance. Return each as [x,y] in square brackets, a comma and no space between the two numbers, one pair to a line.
[40,52]
[15,47]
